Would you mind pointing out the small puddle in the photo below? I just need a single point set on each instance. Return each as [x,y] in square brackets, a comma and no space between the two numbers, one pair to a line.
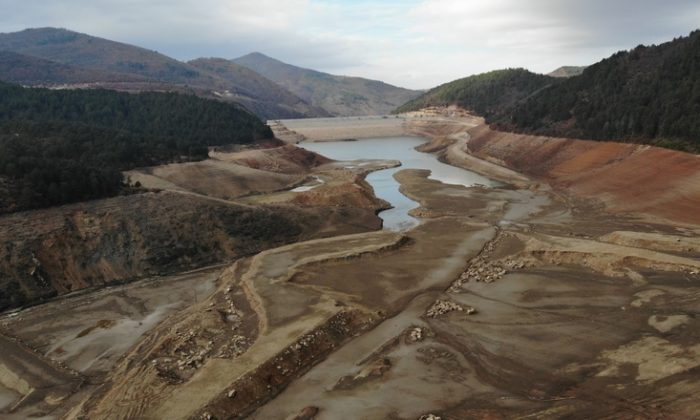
[383,182]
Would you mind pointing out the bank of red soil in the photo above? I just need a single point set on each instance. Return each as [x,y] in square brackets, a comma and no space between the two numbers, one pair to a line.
[628,177]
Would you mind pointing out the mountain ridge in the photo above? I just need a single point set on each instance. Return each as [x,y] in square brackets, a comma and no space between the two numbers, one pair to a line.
[93,55]
[339,95]
[257,92]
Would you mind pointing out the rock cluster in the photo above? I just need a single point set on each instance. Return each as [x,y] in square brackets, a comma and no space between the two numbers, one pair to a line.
[442,307]
[415,335]
[482,270]
[188,349]
[234,315]
[194,358]
[430,417]
[235,347]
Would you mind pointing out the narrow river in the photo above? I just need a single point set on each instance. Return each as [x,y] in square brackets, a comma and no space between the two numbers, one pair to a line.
[383,182]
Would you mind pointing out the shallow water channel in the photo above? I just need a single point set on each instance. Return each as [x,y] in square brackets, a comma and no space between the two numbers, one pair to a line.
[383,182]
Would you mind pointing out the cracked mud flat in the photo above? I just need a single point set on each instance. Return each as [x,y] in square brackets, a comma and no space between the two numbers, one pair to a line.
[541,306]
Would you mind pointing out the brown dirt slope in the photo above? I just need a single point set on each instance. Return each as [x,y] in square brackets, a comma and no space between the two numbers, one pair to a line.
[286,159]
[213,178]
[628,177]
[228,175]
[55,251]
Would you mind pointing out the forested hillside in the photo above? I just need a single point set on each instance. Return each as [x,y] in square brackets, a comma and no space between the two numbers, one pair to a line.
[646,95]
[62,146]
[27,70]
[488,94]
[649,94]
[88,52]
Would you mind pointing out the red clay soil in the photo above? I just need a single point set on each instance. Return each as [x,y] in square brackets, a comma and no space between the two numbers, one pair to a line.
[628,177]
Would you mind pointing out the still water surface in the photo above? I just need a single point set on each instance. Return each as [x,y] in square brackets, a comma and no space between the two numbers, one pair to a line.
[383,182]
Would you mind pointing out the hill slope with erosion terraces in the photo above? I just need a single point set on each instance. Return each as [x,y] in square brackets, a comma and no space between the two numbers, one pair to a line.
[192,219]
[338,95]
[51,252]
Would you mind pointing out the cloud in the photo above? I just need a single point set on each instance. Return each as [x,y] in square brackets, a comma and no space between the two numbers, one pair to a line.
[414,43]
[558,24]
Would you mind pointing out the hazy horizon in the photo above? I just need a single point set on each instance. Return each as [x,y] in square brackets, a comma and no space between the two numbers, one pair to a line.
[416,43]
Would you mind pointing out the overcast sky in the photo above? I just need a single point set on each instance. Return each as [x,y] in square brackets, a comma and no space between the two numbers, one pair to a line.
[411,43]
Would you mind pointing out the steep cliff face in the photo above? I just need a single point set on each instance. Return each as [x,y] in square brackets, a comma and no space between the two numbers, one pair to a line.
[628,177]
[50,252]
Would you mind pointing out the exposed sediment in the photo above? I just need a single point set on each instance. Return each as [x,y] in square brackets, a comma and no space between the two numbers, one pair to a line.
[526,299]
[630,178]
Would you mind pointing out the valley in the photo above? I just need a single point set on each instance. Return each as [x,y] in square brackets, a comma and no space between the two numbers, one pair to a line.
[267,288]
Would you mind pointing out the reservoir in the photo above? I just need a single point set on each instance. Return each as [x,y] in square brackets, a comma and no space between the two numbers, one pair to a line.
[383,182]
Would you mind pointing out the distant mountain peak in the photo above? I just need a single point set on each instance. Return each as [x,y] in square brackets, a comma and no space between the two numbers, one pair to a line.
[258,54]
